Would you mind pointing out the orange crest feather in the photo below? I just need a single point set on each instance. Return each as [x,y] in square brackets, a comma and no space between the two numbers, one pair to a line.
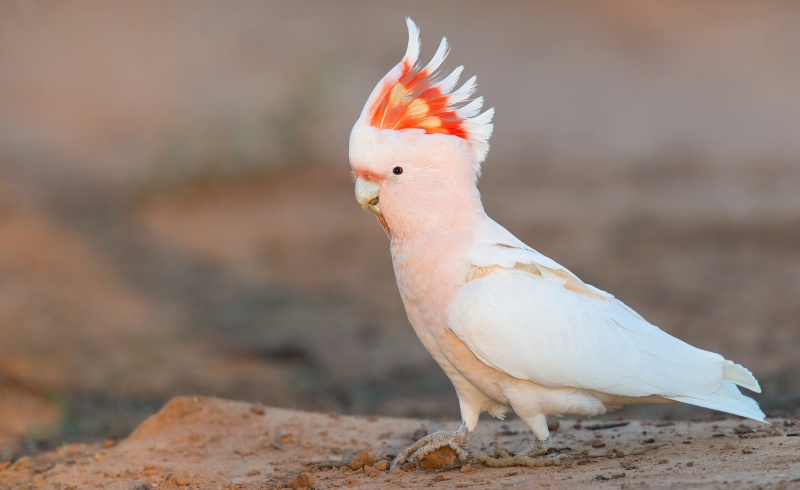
[414,102]
[410,97]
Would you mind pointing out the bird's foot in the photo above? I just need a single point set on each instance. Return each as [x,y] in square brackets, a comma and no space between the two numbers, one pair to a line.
[432,442]
[535,457]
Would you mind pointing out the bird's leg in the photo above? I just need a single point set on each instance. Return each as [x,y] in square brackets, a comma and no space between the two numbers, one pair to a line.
[432,442]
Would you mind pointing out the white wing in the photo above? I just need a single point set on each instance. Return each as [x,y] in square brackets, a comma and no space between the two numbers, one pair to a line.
[524,314]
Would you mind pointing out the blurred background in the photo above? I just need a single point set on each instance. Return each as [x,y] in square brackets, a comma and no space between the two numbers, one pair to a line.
[177,214]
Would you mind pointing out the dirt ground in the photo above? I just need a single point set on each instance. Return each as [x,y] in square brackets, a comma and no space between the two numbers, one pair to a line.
[177,219]
[214,443]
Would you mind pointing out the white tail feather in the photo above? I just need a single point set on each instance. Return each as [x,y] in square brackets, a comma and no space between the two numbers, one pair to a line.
[736,373]
[726,399]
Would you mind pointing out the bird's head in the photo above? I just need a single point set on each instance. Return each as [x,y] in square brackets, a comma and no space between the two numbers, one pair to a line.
[417,148]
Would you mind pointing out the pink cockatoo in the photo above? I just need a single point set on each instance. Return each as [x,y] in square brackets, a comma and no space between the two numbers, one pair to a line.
[511,328]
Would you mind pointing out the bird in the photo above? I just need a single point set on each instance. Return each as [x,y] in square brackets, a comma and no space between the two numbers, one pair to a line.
[511,328]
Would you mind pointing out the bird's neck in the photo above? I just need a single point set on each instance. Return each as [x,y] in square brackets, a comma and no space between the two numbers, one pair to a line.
[425,217]
[430,255]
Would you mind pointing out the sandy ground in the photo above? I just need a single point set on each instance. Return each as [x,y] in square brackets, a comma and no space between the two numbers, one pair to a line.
[215,443]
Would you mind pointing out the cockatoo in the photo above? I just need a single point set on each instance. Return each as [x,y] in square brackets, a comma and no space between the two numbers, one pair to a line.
[511,328]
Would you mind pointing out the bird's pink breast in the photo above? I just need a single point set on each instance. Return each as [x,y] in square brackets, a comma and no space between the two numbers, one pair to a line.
[429,271]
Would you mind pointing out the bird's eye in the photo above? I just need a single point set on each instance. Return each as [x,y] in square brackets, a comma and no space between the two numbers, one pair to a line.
[397,170]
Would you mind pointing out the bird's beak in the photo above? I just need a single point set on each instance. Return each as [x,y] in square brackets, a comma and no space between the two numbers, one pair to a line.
[368,195]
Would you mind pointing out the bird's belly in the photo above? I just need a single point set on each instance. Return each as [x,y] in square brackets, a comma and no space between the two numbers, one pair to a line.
[485,379]
[466,378]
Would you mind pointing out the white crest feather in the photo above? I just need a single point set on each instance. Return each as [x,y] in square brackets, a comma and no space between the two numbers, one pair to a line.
[412,51]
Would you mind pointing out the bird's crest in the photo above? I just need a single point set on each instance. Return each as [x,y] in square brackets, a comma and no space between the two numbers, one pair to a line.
[414,97]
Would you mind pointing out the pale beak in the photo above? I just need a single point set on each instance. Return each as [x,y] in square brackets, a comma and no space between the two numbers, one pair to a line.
[368,195]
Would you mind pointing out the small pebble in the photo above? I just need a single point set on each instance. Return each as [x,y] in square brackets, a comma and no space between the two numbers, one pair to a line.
[181,481]
[364,458]
[302,481]
[444,456]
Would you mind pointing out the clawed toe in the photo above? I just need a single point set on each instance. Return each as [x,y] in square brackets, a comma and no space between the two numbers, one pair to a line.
[499,451]
[503,459]
[432,442]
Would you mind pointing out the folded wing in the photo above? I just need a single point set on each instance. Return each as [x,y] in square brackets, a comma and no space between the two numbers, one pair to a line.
[523,314]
